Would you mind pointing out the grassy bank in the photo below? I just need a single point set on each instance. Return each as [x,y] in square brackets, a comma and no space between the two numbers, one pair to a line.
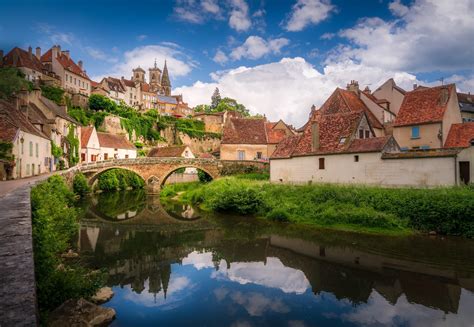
[55,224]
[368,209]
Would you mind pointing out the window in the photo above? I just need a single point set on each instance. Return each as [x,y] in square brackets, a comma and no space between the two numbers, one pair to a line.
[361,133]
[342,140]
[321,163]
[241,155]
[27,169]
[37,150]
[259,155]
[106,156]
[22,147]
[356,158]
[367,134]
[126,156]
[70,78]
[31,149]
[415,132]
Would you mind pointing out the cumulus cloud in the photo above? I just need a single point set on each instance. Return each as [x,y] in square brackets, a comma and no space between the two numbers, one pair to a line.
[220,57]
[239,19]
[287,89]
[430,35]
[179,64]
[308,12]
[196,11]
[256,47]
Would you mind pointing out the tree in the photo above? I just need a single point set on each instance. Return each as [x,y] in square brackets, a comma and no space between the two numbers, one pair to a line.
[202,108]
[99,102]
[12,80]
[229,104]
[53,93]
[216,98]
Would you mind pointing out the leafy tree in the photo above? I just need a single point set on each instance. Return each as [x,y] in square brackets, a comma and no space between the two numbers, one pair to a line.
[12,80]
[229,104]
[80,185]
[53,93]
[216,98]
[202,108]
[100,102]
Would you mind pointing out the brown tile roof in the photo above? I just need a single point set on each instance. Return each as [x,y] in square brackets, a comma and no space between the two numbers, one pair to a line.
[128,82]
[8,130]
[145,87]
[286,147]
[167,152]
[374,144]
[94,84]
[23,59]
[115,84]
[57,110]
[66,62]
[17,119]
[86,133]
[274,136]
[244,131]
[206,155]
[107,140]
[424,105]
[460,136]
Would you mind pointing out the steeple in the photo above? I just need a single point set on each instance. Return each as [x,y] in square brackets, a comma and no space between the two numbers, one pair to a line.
[155,78]
[165,81]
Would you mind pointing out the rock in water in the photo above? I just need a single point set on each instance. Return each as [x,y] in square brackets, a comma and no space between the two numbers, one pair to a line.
[103,295]
[80,313]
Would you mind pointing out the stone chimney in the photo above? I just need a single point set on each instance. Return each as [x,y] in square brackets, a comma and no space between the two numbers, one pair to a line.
[54,51]
[315,136]
[66,53]
[353,86]
[38,53]
[415,86]
[79,63]
[1,58]
[23,99]
[30,52]
[367,90]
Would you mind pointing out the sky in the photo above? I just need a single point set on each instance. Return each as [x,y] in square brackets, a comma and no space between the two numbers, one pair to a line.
[277,57]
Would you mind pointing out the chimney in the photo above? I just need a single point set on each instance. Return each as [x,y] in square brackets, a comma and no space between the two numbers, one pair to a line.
[30,52]
[1,58]
[79,63]
[315,136]
[36,92]
[367,90]
[38,53]
[353,86]
[66,53]
[415,86]
[54,51]
[59,48]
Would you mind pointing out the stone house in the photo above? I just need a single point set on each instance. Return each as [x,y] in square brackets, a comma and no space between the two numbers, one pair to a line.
[390,96]
[425,117]
[214,122]
[343,143]
[180,151]
[114,88]
[31,151]
[90,147]
[251,139]
[466,106]
[98,146]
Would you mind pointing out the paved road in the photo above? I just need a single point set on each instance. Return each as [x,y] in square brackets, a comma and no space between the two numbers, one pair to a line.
[9,186]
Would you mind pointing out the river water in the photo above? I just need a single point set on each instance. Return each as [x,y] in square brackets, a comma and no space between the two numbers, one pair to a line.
[171,265]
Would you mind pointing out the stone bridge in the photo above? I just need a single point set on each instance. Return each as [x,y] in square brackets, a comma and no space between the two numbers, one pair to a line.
[154,171]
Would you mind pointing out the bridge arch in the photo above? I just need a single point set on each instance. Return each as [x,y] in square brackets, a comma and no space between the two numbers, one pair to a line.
[169,172]
[93,178]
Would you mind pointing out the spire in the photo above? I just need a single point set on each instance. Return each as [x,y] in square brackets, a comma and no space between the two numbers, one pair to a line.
[155,62]
[165,81]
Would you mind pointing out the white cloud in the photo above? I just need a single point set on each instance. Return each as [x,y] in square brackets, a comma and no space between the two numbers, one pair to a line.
[327,36]
[256,47]
[142,37]
[179,64]
[220,57]
[199,260]
[308,12]
[430,35]
[196,11]
[99,55]
[55,36]
[210,6]
[239,19]
[287,89]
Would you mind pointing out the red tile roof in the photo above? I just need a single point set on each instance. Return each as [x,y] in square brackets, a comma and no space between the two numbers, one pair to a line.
[424,105]
[244,131]
[94,84]
[274,136]
[23,59]
[66,62]
[114,84]
[168,151]
[286,147]
[460,136]
[16,120]
[374,144]
[128,82]
[145,87]
[86,133]
[107,140]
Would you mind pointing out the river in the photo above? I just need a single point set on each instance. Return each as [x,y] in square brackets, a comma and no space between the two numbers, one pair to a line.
[171,265]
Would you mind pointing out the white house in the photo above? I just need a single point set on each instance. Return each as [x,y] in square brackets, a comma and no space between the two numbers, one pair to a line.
[98,146]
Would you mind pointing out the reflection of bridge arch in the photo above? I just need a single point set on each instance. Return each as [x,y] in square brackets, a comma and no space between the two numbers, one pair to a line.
[171,171]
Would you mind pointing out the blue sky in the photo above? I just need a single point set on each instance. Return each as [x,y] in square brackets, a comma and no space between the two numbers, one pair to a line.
[278,57]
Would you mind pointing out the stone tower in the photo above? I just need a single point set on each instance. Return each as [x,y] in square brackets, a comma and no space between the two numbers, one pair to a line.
[155,79]
[138,75]
[165,81]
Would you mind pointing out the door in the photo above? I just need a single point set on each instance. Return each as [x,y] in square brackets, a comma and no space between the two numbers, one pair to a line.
[464,172]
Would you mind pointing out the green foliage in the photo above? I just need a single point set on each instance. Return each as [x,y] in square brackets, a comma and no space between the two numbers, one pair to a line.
[138,145]
[171,190]
[53,93]
[216,98]
[444,210]
[203,176]
[80,185]
[6,150]
[12,80]
[203,108]
[54,221]
[56,151]
[119,179]
[73,155]
[278,214]
[262,176]
[239,169]
[225,104]
[100,102]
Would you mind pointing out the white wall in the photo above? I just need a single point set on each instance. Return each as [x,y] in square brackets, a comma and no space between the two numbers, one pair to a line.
[30,164]
[117,153]
[370,169]
[466,155]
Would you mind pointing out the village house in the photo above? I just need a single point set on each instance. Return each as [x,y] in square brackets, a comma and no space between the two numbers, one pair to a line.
[466,106]
[31,148]
[30,65]
[74,79]
[114,88]
[343,142]
[98,146]
[252,139]
[214,122]
[180,151]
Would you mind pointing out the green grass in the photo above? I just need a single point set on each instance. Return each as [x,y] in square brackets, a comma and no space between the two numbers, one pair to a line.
[368,209]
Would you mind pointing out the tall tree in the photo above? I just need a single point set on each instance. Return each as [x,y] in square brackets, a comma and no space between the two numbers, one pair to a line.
[216,98]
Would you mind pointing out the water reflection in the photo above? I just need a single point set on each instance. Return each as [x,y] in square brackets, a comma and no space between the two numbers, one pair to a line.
[235,275]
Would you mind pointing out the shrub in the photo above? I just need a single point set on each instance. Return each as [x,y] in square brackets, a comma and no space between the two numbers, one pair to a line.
[278,214]
[53,93]
[80,185]
[108,181]
[115,179]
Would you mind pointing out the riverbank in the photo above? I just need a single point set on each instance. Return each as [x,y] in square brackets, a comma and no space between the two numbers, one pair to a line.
[447,211]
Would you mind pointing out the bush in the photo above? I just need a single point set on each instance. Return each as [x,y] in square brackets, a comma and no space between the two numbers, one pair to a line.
[108,181]
[119,179]
[53,93]
[278,214]
[54,222]
[80,185]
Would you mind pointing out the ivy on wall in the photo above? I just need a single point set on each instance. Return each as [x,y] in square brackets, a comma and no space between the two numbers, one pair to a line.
[73,157]
[6,151]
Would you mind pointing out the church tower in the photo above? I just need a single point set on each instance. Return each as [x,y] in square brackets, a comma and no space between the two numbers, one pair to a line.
[155,79]
[138,75]
[165,81]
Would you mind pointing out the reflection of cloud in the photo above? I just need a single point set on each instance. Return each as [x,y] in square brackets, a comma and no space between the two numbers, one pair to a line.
[199,260]
[379,311]
[173,294]
[272,274]
[221,293]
